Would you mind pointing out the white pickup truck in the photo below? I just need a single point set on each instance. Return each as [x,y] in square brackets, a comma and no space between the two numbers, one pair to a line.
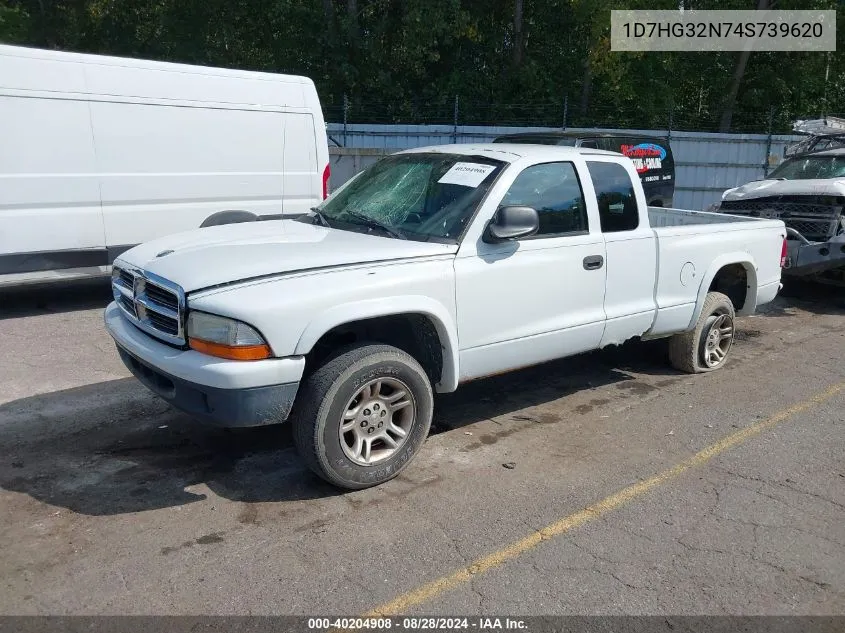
[433,267]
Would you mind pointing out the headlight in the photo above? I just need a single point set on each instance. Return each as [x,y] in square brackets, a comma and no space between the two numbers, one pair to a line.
[225,338]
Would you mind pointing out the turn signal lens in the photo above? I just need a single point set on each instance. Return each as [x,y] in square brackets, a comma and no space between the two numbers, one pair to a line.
[225,338]
[248,352]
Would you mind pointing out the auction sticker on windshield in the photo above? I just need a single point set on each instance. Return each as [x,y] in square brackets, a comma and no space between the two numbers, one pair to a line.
[466,174]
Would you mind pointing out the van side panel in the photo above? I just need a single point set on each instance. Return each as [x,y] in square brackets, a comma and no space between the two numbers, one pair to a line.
[103,153]
[50,215]
[166,168]
[121,78]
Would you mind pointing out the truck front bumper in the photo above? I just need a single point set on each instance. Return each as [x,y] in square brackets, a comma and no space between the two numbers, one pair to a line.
[221,392]
[809,258]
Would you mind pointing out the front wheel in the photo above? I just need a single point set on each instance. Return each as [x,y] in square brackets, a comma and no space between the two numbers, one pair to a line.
[706,347]
[362,416]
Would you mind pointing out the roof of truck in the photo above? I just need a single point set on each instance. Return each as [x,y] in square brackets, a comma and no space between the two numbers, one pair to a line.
[511,152]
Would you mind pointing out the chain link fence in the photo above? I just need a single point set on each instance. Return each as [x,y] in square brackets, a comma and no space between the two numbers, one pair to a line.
[451,110]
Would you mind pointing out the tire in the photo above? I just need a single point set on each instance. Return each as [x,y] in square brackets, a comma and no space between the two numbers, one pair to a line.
[695,352]
[362,381]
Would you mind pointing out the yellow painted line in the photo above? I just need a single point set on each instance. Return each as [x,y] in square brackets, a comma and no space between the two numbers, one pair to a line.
[431,590]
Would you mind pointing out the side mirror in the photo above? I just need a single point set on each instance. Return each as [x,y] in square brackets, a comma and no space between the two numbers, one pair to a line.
[512,223]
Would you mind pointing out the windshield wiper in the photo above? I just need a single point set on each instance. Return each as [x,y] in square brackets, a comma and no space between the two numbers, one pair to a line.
[321,217]
[376,224]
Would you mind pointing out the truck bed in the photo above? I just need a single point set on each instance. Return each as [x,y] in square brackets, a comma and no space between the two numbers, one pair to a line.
[690,248]
[662,217]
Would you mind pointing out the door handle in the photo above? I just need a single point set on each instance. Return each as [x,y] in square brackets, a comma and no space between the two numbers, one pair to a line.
[593,262]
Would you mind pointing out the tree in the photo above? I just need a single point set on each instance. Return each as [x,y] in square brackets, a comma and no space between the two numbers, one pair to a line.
[739,73]
[509,61]
[517,33]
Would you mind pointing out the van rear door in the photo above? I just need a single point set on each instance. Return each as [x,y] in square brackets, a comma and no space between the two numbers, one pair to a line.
[301,173]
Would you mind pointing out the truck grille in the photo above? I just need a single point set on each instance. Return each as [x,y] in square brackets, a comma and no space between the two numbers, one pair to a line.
[816,219]
[155,305]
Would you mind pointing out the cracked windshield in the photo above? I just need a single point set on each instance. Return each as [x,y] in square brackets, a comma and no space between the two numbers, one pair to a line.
[811,168]
[427,197]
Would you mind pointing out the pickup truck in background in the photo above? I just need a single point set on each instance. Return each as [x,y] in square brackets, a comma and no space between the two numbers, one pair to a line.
[806,192]
[433,267]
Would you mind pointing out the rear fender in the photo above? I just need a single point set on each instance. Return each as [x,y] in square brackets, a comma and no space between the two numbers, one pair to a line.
[720,262]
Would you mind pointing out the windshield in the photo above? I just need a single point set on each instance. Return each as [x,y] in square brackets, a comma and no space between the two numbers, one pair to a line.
[811,167]
[427,197]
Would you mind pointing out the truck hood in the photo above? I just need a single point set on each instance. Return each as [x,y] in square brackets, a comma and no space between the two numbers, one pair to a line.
[769,188]
[236,252]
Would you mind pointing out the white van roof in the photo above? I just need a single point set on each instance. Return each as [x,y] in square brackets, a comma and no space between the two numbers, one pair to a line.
[36,69]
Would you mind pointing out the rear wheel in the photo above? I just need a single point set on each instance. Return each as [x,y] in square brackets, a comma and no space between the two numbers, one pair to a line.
[363,415]
[706,347]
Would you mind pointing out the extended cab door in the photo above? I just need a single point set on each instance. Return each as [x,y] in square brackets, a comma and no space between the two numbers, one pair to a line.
[539,298]
[631,248]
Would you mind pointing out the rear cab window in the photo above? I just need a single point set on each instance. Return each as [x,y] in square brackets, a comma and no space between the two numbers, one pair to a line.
[616,197]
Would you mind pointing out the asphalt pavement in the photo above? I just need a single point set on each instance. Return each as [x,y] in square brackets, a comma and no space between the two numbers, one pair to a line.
[603,484]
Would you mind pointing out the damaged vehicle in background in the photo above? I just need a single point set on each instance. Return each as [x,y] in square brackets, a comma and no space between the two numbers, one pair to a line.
[806,192]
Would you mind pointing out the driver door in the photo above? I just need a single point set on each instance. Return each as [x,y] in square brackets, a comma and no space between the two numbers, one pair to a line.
[534,299]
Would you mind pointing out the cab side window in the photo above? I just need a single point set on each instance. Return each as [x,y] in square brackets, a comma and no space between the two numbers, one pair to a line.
[618,209]
[554,191]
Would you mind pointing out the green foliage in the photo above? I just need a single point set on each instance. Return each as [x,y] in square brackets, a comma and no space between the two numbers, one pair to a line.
[407,60]
[14,25]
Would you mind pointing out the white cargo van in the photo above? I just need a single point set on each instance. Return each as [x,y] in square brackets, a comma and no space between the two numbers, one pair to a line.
[102,153]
